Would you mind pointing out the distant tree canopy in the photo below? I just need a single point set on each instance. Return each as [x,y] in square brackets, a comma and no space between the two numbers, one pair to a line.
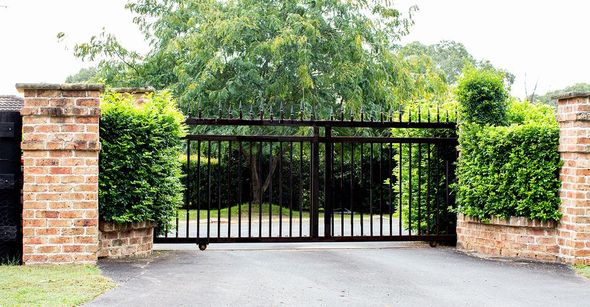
[548,97]
[451,57]
[84,75]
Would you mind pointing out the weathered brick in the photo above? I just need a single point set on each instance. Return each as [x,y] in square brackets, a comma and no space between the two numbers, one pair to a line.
[53,135]
[515,237]
[575,176]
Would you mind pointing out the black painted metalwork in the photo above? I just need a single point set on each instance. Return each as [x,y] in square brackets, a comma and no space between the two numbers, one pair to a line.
[301,179]
[10,187]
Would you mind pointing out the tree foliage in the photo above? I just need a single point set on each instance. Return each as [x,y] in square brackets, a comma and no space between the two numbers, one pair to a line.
[316,53]
[547,98]
[83,75]
[451,57]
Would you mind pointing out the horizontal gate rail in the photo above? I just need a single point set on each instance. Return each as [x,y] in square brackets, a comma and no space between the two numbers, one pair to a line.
[428,238]
[334,139]
[319,123]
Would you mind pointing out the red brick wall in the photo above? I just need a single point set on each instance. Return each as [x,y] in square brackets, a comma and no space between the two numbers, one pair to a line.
[516,238]
[574,147]
[126,240]
[60,192]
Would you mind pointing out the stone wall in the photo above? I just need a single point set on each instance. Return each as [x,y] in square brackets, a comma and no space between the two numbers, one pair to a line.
[126,240]
[513,238]
[60,153]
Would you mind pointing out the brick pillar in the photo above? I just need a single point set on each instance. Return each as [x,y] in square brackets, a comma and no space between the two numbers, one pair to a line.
[573,113]
[60,192]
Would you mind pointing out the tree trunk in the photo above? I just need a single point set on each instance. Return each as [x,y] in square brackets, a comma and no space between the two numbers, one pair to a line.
[259,188]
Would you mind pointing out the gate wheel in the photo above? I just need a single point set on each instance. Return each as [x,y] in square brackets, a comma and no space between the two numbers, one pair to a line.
[433,243]
[203,246]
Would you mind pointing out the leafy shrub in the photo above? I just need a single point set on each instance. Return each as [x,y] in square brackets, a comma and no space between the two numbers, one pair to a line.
[482,96]
[523,112]
[510,171]
[139,169]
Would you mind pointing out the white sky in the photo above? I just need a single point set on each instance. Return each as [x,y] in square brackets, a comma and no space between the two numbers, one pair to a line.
[546,40]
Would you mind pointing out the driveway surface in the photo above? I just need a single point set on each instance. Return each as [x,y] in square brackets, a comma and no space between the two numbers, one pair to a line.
[339,274]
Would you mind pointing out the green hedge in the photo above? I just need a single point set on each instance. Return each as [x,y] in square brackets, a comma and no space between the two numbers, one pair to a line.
[512,170]
[482,96]
[140,175]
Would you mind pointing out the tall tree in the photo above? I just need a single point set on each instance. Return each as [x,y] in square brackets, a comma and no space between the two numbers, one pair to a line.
[321,53]
[451,57]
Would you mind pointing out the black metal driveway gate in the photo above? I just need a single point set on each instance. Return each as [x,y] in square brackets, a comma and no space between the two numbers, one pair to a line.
[10,187]
[373,178]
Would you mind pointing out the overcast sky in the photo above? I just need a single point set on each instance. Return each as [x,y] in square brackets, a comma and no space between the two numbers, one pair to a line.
[546,40]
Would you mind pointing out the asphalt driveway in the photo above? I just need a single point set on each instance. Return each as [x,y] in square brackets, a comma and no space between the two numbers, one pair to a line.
[342,274]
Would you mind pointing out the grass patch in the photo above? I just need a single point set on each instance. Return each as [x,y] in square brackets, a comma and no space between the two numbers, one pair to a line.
[63,285]
[582,270]
[265,212]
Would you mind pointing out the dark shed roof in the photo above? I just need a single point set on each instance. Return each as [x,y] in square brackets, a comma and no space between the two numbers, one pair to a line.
[11,103]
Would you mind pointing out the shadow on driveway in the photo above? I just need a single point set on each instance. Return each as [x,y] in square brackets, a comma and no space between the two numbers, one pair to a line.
[351,274]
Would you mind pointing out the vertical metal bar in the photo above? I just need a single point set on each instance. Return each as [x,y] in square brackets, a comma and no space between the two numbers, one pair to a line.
[381,189]
[390,176]
[332,190]
[188,185]
[419,188]
[301,189]
[176,229]
[328,186]
[341,194]
[447,177]
[410,189]
[219,163]
[362,189]
[209,189]
[198,189]
[437,193]
[239,174]
[428,189]
[315,182]
[351,189]
[371,188]
[291,190]
[229,190]
[260,194]
[270,175]
[280,189]
[401,193]
[251,157]
[166,230]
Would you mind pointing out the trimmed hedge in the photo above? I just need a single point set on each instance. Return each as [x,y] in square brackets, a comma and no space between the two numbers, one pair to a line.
[140,175]
[513,170]
[482,96]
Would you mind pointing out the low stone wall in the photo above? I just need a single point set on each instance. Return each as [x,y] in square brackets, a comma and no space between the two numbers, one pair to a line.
[125,240]
[516,238]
